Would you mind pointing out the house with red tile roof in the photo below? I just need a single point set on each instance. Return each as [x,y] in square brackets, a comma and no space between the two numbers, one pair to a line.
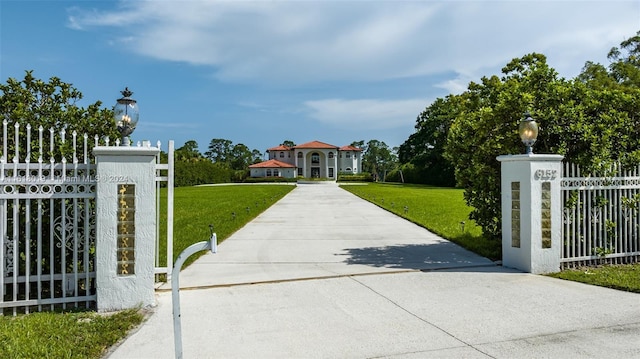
[313,159]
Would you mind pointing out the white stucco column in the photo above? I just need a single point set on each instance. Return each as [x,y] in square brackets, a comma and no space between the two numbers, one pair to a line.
[304,164]
[125,227]
[531,212]
[326,163]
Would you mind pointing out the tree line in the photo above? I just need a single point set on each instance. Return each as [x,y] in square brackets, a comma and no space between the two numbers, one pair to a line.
[223,162]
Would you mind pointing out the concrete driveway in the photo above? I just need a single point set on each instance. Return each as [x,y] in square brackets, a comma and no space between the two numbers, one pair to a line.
[324,274]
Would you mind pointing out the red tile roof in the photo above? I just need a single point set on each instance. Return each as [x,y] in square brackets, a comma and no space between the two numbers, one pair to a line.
[280,148]
[272,164]
[316,144]
[350,148]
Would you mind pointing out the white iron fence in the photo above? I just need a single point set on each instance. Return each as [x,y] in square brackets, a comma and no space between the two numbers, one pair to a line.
[48,222]
[601,217]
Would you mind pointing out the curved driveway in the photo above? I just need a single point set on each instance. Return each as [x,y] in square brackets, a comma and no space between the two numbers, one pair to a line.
[324,274]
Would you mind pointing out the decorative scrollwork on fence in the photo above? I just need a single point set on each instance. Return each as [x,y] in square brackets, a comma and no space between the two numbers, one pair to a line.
[568,215]
[8,255]
[74,224]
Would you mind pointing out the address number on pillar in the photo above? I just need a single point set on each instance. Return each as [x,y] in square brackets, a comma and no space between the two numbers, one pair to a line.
[545,174]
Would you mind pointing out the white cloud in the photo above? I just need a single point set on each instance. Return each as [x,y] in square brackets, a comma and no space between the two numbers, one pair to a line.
[303,41]
[80,19]
[369,114]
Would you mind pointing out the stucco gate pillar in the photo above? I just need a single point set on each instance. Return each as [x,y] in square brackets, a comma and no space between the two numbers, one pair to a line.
[125,227]
[531,212]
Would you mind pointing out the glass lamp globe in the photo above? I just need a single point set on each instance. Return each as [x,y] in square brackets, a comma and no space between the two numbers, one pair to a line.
[126,115]
[528,130]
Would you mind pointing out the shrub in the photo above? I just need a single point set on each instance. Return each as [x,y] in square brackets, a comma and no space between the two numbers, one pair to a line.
[192,173]
[269,179]
[360,177]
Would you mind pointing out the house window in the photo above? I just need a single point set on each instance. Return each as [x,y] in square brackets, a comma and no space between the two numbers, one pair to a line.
[348,154]
[276,173]
[330,154]
[269,172]
[299,154]
[281,154]
[315,158]
[348,169]
[300,173]
[331,172]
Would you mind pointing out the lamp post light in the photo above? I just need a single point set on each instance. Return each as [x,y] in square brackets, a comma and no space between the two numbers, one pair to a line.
[126,115]
[528,130]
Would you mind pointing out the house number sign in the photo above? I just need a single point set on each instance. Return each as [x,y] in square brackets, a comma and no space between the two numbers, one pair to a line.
[545,175]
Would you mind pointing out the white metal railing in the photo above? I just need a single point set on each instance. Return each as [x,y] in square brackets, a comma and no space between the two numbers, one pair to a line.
[601,216]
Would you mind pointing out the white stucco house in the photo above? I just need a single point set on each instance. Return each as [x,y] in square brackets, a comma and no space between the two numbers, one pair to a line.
[313,159]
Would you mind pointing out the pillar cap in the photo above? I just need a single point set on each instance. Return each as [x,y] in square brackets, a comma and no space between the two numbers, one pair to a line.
[532,157]
[125,151]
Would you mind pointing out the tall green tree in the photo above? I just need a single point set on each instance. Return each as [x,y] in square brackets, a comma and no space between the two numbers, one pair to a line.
[625,62]
[52,104]
[591,120]
[486,127]
[359,144]
[219,150]
[378,158]
[188,152]
[241,157]
[422,155]
[256,156]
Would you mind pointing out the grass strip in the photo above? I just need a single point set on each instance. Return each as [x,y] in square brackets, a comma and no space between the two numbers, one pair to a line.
[622,277]
[64,335]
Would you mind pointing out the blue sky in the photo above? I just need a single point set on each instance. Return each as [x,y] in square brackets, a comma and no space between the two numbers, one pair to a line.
[261,72]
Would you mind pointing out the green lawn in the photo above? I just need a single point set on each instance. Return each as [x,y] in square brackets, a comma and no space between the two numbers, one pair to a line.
[440,210]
